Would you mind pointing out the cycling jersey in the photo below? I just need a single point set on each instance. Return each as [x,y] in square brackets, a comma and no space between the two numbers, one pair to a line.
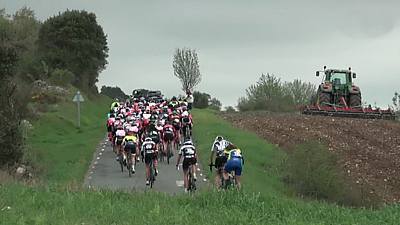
[187,151]
[129,140]
[235,154]
[219,147]
[149,147]
[129,143]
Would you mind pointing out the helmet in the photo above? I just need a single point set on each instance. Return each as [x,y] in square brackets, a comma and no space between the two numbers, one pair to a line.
[176,120]
[148,139]
[185,113]
[131,130]
[135,129]
[188,142]
[219,138]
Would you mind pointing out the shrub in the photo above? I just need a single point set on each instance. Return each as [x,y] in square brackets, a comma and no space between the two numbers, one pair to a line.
[230,109]
[312,170]
[61,77]
[270,93]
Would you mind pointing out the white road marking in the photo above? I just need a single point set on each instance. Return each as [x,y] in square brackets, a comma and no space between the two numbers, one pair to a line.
[96,162]
[205,180]
[201,174]
[89,177]
[179,183]
[102,150]
[198,169]
[93,167]
[98,158]
[91,172]
[100,153]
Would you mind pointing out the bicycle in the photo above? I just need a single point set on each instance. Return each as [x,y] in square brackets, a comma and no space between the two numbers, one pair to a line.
[225,184]
[121,161]
[169,150]
[129,163]
[191,181]
[220,174]
[152,175]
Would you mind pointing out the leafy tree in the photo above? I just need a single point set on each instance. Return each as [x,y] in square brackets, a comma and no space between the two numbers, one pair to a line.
[186,68]
[267,94]
[301,92]
[215,104]
[396,101]
[10,135]
[73,40]
[61,77]
[26,31]
[230,109]
[113,92]
[201,100]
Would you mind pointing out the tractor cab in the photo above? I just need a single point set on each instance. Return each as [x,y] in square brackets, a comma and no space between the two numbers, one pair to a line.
[335,76]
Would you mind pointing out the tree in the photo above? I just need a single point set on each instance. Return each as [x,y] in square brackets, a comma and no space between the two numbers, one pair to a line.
[74,41]
[113,92]
[26,32]
[230,109]
[186,68]
[396,101]
[215,104]
[267,94]
[201,100]
[300,91]
[10,135]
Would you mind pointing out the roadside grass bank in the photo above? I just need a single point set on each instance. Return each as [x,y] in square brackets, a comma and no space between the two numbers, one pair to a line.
[54,205]
[262,159]
[46,206]
[59,150]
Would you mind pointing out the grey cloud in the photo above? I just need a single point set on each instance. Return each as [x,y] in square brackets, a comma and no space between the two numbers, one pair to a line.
[238,40]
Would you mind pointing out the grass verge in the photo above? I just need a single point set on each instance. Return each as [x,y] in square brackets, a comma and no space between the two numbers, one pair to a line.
[60,150]
[51,205]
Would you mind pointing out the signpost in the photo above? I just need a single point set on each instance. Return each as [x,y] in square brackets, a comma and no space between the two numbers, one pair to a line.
[78,98]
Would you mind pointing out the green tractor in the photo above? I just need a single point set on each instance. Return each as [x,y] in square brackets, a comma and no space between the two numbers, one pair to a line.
[337,89]
[338,96]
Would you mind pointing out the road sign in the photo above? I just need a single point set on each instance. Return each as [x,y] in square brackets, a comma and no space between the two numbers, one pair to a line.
[78,98]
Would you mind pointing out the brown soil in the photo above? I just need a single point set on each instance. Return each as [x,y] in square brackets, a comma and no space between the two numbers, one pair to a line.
[368,150]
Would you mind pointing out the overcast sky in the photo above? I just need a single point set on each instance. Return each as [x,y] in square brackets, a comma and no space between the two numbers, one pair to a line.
[238,40]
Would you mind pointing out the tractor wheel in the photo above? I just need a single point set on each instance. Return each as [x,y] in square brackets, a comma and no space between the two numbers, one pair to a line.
[355,101]
[324,98]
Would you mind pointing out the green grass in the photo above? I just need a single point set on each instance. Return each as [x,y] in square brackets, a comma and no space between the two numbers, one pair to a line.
[61,150]
[57,205]
[262,159]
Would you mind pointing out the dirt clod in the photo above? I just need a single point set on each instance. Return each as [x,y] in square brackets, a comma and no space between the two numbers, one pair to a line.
[368,150]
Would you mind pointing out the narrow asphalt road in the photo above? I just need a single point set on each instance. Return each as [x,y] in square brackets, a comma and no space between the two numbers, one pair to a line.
[105,173]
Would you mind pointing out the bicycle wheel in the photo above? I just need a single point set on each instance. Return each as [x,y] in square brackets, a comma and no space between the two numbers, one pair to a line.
[129,164]
[121,163]
[151,174]
[168,151]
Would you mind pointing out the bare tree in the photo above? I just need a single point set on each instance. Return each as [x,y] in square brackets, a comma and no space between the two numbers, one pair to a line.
[186,68]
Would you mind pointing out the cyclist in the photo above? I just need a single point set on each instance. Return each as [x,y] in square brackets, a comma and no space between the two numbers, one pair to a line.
[168,135]
[234,163]
[217,151]
[119,137]
[130,145]
[149,149]
[110,124]
[188,152]
[187,122]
